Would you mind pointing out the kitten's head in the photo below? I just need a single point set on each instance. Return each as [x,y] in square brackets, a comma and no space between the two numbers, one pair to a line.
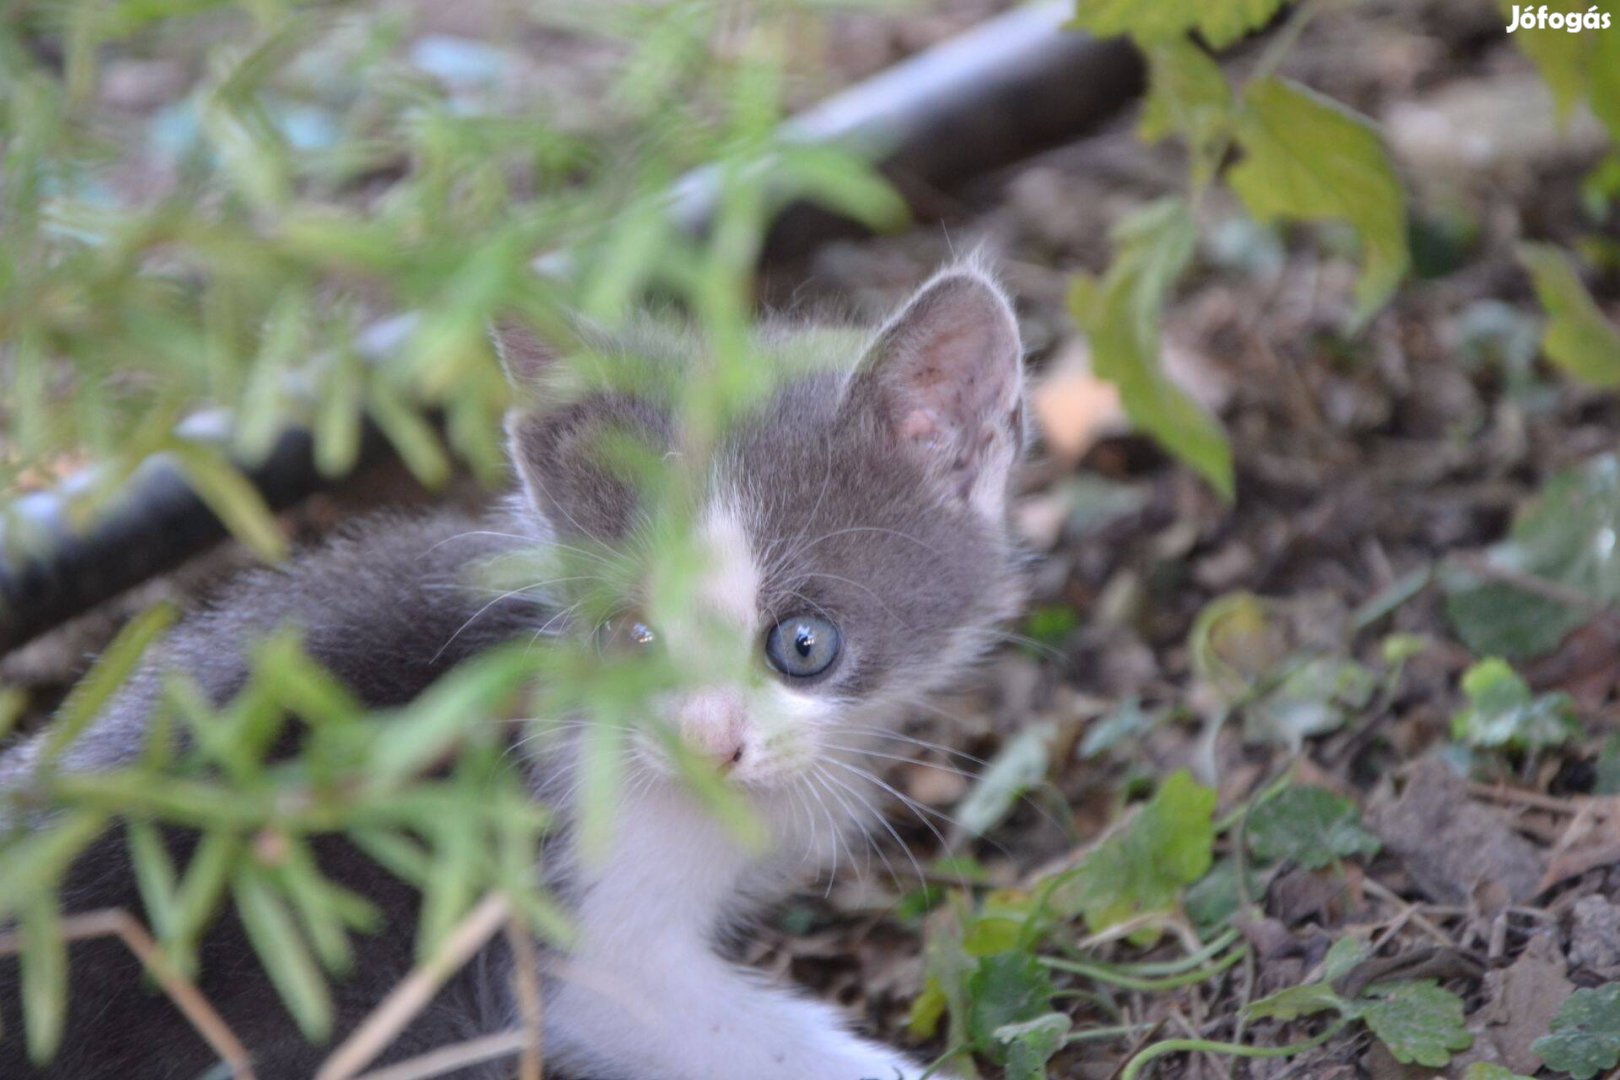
[852,525]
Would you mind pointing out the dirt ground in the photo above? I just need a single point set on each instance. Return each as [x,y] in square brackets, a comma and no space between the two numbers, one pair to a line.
[1366,466]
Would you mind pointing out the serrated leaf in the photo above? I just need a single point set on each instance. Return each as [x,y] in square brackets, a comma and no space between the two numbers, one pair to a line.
[1420,1022]
[1503,712]
[1585,1035]
[1578,338]
[1307,158]
[1309,826]
[1121,315]
[1145,866]
[1031,1044]
[1220,22]
[1008,988]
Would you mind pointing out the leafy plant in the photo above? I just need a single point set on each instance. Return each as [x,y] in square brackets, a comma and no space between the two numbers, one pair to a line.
[1585,1036]
[1290,155]
[1308,826]
[1564,537]
[1419,1022]
[1503,713]
[1144,867]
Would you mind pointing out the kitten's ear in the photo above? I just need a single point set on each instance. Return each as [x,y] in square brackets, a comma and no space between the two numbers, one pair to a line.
[578,461]
[525,356]
[946,377]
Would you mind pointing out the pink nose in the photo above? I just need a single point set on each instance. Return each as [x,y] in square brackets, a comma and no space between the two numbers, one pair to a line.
[712,726]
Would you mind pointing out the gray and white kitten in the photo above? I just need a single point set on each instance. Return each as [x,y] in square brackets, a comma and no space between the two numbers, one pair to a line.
[858,548]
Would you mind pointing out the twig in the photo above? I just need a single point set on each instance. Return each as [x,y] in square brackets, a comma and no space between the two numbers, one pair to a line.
[414,992]
[449,1059]
[526,977]
[116,922]
[1419,920]
[1480,566]
[1533,799]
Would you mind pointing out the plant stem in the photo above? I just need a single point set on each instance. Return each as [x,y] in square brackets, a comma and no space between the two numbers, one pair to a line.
[1104,973]
[1207,1046]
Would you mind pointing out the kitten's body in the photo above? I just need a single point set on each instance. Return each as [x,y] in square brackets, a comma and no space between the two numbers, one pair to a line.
[875,497]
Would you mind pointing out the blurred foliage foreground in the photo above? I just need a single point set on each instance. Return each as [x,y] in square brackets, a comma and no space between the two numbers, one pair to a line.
[323,173]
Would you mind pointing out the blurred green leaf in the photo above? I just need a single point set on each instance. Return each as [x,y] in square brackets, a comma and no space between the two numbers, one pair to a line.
[1420,1022]
[1309,826]
[1031,1043]
[1220,22]
[1187,96]
[112,669]
[1585,1035]
[1567,536]
[1503,712]
[1017,767]
[1306,158]
[1578,338]
[44,976]
[1122,314]
[1005,989]
[282,950]
[231,497]
[1144,866]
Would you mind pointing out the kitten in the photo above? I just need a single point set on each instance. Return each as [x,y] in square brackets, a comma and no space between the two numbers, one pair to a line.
[855,524]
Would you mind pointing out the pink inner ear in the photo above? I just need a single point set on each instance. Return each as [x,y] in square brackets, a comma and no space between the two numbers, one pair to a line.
[919,425]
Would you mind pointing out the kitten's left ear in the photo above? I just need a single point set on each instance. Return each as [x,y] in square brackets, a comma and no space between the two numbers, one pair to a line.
[526,358]
[946,376]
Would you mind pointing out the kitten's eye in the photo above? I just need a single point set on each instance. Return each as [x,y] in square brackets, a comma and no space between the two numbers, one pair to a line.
[802,646]
[628,634]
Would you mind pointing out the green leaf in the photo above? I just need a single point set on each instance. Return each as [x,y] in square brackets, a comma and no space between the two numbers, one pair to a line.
[1314,698]
[37,862]
[1145,866]
[1306,158]
[112,669]
[1565,536]
[1220,22]
[228,494]
[1031,1043]
[1578,338]
[1016,768]
[1585,1036]
[1294,1002]
[1420,1022]
[44,972]
[1502,711]
[1187,96]
[1121,314]
[1311,998]
[1484,1070]
[1309,826]
[1007,988]
[285,956]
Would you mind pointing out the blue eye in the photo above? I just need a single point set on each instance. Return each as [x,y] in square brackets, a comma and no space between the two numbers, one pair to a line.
[803,646]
